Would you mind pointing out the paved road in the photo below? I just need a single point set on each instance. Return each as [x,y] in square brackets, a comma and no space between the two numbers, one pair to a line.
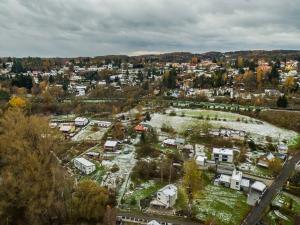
[161,219]
[257,212]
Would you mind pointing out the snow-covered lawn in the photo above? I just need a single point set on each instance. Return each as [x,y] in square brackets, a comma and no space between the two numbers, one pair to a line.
[87,134]
[146,189]
[180,124]
[222,204]
[275,216]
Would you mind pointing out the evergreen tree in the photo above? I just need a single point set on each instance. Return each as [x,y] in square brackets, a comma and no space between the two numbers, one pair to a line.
[51,79]
[282,102]
[17,66]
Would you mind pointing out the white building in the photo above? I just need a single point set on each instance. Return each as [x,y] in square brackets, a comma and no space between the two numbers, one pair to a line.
[81,121]
[153,222]
[111,145]
[165,197]
[222,155]
[282,148]
[104,123]
[256,191]
[201,160]
[235,181]
[84,165]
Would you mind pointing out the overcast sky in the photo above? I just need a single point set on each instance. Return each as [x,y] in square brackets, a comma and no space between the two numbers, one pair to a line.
[49,28]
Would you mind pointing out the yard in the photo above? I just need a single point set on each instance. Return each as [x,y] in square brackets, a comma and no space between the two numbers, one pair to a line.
[226,206]
[283,210]
[145,190]
[89,134]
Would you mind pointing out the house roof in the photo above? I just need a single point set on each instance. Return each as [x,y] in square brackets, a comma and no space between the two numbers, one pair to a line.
[169,190]
[170,142]
[223,151]
[237,175]
[140,127]
[80,119]
[153,222]
[84,162]
[110,144]
[224,178]
[259,186]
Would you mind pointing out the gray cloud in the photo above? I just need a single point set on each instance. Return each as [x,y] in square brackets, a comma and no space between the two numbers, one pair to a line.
[99,27]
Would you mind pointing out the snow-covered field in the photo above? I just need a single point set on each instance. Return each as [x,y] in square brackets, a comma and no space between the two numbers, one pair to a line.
[180,123]
[87,134]
[223,204]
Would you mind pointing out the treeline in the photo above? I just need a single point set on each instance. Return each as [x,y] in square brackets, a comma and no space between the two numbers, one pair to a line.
[286,119]
[35,188]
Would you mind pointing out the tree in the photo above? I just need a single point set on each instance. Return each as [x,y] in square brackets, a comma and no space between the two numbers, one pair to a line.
[192,178]
[275,166]
[35,185]
[89,202]
[4,95]
[18,102]
[282,102]
[170,79]
[17,66]
[290,83]
[51,79]
[274,75]
[22,81]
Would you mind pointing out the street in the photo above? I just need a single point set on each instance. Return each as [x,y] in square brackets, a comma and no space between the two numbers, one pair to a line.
[257,211]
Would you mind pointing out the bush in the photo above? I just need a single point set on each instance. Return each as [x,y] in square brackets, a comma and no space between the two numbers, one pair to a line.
[173,113]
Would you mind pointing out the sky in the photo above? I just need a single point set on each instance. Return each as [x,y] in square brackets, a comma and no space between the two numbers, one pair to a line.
[71,28]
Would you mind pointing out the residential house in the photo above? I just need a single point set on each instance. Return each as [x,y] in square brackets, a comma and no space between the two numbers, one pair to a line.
[84,165]
[153,222]
[111,146]
[201,160]
[265,160]
[222,155]
[81,121]
[140,128]
[67,128]
[235,181]
[282,148]
[169,142]
[165,197]
[257,189]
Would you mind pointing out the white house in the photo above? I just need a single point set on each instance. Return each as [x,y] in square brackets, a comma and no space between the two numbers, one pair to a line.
[81,121]
[111,146]
[235,181]
[170,142]
[104,123]
[84,165]
[222,155]
[257,189]
[165,197]
[282,148]
[153,222]
[201,160]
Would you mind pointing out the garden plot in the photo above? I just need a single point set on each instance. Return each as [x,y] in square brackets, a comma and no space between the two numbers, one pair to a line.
[181,123]
[199,113]
[226,206]
[88,134]
[145,190]
[125,163]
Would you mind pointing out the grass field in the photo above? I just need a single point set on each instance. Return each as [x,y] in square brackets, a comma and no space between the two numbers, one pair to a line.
[225,206]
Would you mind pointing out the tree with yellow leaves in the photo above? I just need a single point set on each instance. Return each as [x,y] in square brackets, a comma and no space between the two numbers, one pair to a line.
[290,83]
[16,101]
